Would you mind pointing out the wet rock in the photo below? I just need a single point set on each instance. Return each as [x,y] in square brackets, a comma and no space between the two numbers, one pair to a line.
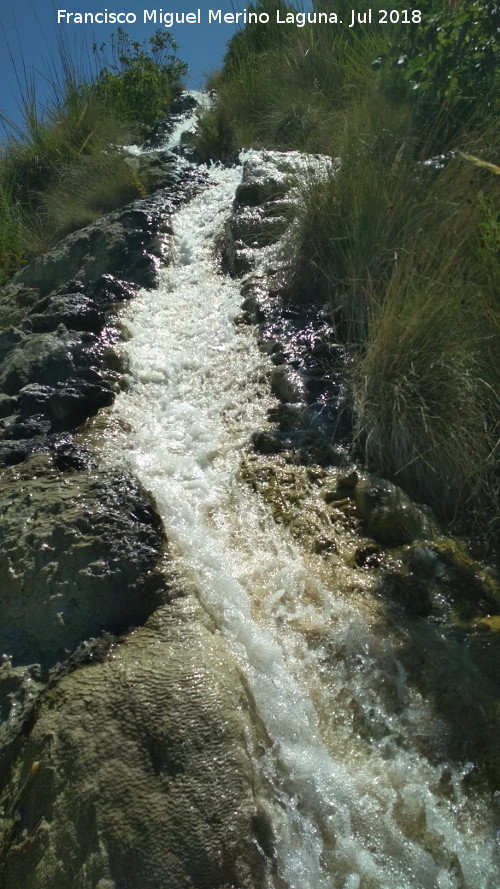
[18,685]
[9,339]
[85,254]
[179,108]
[246,230]
[237,257]
[20,688]
[182,103]
[8,405]
[137,771]
[32,426]
[52,383]
[78,554]
[41,358]
[289,417]
[126,244]
[268,175]
[15,300]
[75,310]
[14,452]
[108,290]
[64,406]
[263,206]
[286,385]
[252,310]
[389,516]
[67,456]
[266,443]
[465,697]
[270,346]
[324,544]
[368,556]
[409,591]
[155,169]
[59,364]
[107,246]
[310,364]
[278,358]
[460,585]
[347,480]
[293,492]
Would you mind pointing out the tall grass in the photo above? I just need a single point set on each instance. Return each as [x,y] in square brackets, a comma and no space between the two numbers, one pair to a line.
[282,86]
[403,249]
[425,392]
[407,259]
[353,226]
[11,234]
[59,169]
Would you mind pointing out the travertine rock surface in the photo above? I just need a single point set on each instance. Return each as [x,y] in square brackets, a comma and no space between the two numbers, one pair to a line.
[78,554]
[137,772]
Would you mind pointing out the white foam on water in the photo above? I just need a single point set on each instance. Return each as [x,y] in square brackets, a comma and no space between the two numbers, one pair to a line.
[349,812]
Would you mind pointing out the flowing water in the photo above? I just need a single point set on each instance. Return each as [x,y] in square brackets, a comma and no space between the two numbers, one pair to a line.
[351,808]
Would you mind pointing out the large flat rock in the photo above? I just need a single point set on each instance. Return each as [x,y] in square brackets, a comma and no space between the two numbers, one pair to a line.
[138,771]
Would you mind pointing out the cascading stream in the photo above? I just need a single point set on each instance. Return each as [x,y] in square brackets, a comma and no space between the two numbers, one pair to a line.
[348,812]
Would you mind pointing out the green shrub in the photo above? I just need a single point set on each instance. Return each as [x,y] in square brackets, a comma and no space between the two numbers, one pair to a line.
[139,81]
[59,171]
[454,54]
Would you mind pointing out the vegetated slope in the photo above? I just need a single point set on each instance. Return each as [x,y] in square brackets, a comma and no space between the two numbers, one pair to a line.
[60,170]
[402,242]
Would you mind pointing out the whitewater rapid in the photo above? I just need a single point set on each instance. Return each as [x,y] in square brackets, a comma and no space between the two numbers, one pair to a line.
[347,813]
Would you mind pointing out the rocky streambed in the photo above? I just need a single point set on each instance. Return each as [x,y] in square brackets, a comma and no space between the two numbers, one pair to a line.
[84,563]
[231,656]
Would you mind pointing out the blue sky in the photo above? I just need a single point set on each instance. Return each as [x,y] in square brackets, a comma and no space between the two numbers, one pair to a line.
[29,29]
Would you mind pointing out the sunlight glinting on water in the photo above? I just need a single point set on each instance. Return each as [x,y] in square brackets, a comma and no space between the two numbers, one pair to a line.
[347,814]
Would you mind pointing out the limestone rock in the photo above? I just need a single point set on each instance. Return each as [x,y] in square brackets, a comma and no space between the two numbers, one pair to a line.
[248,229]
[287,385]
[268,175]
[389,516]
[40,358]
[264,204]
[75,310]
[115,244]
[52,383]
[137,772]
[125,244]
[78,555]
[15,299]
[155,169]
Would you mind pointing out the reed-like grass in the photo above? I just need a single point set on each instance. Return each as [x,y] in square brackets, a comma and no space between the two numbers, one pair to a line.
[282,86]
[425,391]
[60,168]
[401,246]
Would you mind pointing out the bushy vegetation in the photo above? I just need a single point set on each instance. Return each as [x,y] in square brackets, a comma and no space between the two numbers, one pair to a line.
[140,81]
[59,170]
[402,241]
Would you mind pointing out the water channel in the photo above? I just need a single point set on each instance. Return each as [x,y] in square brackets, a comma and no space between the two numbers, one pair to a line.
[351,809]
